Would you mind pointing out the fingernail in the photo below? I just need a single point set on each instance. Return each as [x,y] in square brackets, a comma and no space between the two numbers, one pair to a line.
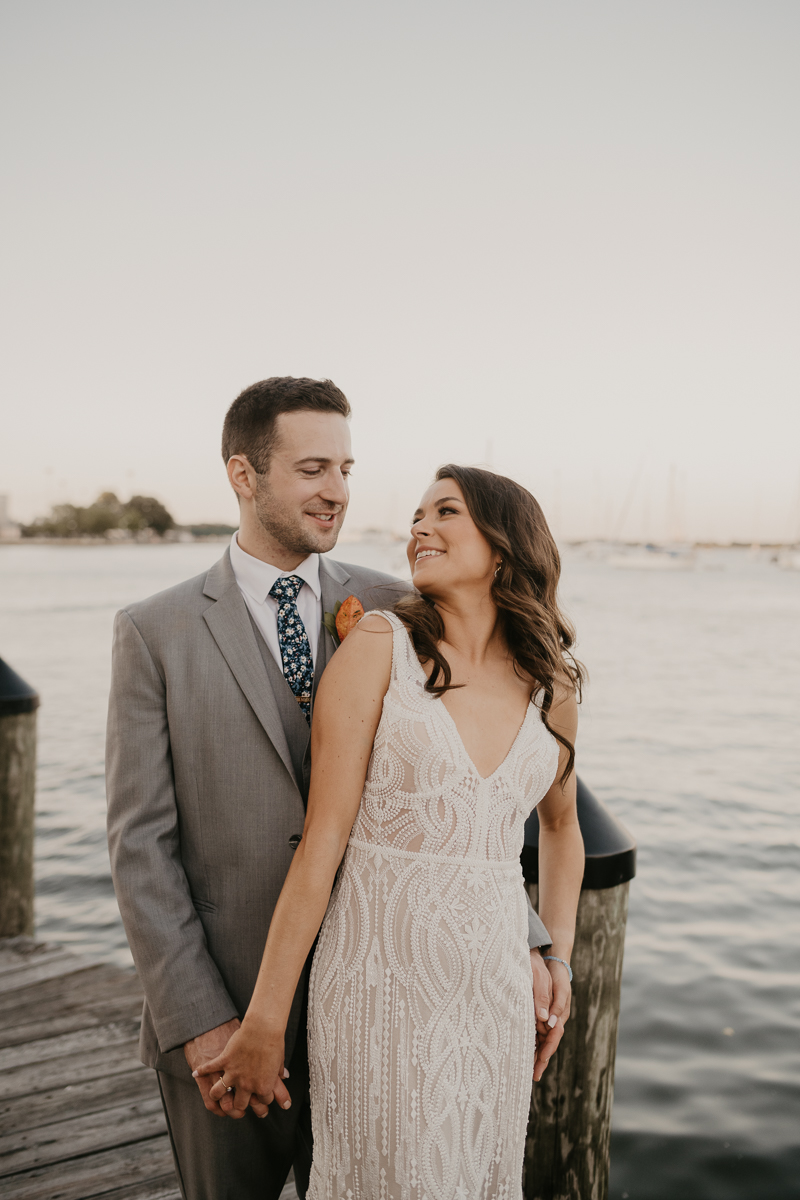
[552,1020]
[194,1074]
[288,1104]
[543,1013]
[266,1114]
[285,1073]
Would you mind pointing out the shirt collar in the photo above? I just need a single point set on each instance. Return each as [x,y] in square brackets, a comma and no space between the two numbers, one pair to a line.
[257,577]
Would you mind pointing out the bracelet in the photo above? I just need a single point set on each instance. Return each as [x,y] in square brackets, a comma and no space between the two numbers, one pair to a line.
[553,958]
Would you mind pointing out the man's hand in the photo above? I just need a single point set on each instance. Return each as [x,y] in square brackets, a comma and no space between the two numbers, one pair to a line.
[551,997]
[205,1047]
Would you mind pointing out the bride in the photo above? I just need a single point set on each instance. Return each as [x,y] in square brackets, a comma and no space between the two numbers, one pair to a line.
[437,729]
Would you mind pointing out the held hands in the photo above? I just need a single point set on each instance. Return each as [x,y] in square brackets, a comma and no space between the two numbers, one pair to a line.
[199,1050]
[551,998]
[248,1071]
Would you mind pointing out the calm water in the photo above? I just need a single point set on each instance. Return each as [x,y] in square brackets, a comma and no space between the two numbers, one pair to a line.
[689,735]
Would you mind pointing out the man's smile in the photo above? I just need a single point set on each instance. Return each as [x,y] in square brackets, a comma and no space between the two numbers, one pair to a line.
[324,519]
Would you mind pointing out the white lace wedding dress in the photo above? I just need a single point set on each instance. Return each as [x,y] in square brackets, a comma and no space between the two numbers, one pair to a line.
[421,1025]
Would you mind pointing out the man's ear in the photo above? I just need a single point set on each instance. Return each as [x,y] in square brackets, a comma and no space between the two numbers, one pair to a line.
[242,477]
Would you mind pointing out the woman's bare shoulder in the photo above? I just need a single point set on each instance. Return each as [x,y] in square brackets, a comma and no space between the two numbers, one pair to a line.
[365,651]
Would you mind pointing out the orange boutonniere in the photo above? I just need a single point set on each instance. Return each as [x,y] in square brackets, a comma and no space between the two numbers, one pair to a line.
[345,616]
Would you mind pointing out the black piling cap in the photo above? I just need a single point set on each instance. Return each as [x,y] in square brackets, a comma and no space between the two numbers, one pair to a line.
[610,849]
[16,696]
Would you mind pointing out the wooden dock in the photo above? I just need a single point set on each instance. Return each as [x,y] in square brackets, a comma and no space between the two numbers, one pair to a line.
[80,1116]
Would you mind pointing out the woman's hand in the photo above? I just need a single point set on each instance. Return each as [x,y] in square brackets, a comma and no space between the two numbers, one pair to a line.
[252,1065]
[551,1029]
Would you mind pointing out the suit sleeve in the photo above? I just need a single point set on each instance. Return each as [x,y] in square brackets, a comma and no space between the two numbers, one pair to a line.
[185,991]
[537,934]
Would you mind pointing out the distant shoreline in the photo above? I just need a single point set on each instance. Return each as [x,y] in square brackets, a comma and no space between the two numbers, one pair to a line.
[106,542]
[371,535]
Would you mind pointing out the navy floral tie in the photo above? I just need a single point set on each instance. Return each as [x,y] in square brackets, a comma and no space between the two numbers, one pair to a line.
[298,665]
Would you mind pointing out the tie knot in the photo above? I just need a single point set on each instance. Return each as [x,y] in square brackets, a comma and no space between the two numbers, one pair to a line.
[287,587]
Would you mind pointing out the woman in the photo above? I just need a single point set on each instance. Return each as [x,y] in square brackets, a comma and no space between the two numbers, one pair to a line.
[437,729]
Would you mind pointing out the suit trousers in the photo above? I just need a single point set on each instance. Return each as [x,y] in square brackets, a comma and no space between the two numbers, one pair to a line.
[219,1158]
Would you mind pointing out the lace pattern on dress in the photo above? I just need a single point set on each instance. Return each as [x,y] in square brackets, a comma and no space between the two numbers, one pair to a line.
[421,1023]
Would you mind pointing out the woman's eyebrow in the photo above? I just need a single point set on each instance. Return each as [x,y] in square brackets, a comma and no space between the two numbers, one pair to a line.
[443,500]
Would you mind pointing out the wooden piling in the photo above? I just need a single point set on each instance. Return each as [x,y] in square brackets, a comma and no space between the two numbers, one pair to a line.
[18,704]
[567,1147]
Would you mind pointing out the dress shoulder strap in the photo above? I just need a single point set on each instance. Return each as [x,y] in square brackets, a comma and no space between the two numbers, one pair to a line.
[404,658]
[389,616]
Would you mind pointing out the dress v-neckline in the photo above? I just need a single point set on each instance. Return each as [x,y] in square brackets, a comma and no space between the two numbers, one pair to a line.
[451,719]
[468,756]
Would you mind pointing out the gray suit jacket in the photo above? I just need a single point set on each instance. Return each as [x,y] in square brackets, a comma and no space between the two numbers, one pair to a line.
[207,778]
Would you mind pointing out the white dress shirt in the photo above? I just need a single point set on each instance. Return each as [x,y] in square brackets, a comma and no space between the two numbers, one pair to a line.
[255,578]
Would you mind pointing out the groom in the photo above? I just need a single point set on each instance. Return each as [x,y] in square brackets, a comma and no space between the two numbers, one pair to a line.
[208,767]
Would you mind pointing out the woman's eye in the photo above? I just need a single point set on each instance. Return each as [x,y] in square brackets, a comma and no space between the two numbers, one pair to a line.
[444,510]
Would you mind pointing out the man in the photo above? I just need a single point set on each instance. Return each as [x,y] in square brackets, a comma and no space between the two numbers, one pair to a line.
[208,768]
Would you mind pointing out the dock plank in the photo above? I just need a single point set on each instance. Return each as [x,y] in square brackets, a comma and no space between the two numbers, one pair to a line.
[107,1013]
[63,1004]
[17,951]
[77,983]
[80,1117]
[73,1044]
[50,968]
[79,1135]
[27,1111]
[163,1188]
[94,1174]
[59,1072]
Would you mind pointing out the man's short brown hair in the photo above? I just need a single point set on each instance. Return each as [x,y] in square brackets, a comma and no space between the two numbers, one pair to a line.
[249,426]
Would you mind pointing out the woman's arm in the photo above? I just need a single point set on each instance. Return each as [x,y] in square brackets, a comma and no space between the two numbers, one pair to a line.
[347,711]
[561,861]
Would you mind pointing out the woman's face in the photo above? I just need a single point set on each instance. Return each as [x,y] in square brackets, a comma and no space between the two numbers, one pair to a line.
[446,549]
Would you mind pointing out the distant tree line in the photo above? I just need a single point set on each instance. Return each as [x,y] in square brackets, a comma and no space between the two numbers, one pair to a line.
[96,520]
[211,531]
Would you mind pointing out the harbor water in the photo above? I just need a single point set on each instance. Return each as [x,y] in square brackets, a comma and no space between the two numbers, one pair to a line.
[690,735]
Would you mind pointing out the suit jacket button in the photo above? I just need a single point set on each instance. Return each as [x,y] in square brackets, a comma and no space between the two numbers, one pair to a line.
[295,840]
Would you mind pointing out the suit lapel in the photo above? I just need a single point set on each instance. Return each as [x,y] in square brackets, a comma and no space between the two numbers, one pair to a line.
[333,579]
[230,627]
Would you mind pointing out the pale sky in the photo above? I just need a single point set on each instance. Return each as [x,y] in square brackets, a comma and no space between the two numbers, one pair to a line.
[558,238]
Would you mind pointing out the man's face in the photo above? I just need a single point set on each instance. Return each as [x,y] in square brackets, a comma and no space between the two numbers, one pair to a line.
[302,499]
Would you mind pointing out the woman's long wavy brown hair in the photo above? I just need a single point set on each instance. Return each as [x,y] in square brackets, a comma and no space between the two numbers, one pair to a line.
[539,636]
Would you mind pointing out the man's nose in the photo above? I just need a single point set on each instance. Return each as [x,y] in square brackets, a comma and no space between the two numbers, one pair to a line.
[334,488]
